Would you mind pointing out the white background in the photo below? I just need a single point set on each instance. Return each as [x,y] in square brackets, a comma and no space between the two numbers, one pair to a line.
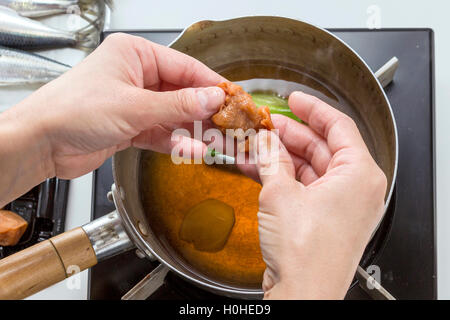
[145,14]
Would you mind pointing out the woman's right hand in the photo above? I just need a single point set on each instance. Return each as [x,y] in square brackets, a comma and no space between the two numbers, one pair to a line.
[319,210]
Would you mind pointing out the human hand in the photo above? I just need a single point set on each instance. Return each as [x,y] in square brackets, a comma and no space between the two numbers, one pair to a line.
[318,212]
[129,91]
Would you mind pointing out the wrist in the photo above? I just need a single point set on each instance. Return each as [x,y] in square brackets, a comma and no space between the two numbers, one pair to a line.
[317,269]
[322,285]
[31,118]
[301,288]
[25,152]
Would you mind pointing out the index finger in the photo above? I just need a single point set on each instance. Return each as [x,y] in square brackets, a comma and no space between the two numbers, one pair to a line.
[175,67]
[338,129]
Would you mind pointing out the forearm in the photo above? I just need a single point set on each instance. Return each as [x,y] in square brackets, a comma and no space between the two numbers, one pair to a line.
[24,152]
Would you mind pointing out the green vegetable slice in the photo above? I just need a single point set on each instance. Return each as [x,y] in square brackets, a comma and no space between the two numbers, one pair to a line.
[276,104]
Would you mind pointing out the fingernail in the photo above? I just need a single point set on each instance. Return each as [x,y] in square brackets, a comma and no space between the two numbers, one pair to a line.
[210,98]
[297,93]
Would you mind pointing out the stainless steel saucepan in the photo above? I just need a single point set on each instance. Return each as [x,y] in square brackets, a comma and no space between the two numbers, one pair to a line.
[271,41]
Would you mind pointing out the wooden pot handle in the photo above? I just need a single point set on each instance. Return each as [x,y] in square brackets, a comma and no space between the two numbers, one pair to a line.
[44,264]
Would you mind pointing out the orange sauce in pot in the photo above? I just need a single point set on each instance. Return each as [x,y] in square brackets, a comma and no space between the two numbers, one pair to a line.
[169,191]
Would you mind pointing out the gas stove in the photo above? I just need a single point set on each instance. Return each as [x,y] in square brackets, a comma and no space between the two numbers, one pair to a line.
[404,247]
[44,209]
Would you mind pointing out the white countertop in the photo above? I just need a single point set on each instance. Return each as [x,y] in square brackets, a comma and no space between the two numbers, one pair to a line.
[144,14]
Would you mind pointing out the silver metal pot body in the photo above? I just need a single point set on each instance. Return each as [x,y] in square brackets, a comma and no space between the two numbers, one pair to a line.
[277,40]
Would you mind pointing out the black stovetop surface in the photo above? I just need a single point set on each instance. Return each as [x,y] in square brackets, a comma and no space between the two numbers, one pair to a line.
[407,258]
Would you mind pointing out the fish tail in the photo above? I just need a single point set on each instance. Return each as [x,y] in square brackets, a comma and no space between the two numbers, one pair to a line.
[93,12]
[88,37]
[87,3]
[109,3]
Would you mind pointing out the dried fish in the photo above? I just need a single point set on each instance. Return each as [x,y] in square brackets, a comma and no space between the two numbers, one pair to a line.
[24,33]
[20,67]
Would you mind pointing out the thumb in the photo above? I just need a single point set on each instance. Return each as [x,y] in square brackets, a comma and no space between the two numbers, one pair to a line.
[184,105]
[273,162]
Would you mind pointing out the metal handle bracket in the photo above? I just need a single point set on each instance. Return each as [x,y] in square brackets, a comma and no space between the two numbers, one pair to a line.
[107,236]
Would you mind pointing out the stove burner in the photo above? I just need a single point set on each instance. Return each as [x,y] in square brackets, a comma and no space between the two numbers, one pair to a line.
[44,208]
